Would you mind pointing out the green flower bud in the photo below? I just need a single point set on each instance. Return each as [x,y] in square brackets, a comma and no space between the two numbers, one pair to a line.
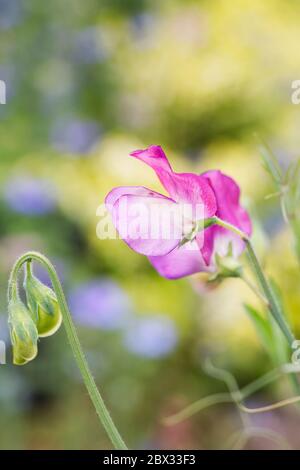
[43,305]
[23,333]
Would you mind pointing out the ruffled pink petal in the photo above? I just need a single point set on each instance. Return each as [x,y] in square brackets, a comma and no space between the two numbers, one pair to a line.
[218,239]
[153,156]
[182,187]
[150,223]
[182,261]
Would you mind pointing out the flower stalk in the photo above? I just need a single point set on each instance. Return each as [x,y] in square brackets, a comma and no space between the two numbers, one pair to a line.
[74,342]
[273,305]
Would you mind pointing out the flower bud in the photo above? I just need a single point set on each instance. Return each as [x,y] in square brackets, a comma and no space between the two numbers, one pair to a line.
[23,333]
[43,305]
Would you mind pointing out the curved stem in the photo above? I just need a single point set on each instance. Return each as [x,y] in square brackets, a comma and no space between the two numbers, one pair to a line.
[275,406]
[273,305]
[231,383]
[74,342]
[196,407]
[242,394]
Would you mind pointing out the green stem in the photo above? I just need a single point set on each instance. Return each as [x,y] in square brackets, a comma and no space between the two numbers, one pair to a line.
[295,225]
[74,342]
[273,305]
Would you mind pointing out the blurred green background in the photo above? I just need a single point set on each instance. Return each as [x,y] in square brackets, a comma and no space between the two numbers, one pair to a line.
[88,82]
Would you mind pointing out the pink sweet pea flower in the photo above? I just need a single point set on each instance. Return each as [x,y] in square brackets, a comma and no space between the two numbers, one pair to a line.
[215,193]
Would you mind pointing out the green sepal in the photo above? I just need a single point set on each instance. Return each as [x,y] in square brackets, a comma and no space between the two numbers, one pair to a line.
[23,333]
[227,266]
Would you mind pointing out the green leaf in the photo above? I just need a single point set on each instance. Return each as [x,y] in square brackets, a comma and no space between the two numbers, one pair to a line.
[262,327]
[270,163]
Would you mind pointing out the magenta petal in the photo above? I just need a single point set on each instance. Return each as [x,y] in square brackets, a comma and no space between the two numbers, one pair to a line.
[182,261]
[182,187]
[148,222]
[153,156]
[192,189]
[218,239]
[228,200]
[206,244]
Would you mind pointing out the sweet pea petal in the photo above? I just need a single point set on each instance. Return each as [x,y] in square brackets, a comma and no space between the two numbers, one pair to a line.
[119,191]
[153,156]
[218,239]
[151,224]
[228,200]
[182,261]
[206,244]
[182,187]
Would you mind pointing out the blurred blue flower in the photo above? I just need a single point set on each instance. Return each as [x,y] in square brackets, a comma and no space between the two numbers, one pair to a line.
[273,224]
[142,26]
[14,391]
[11,13]
[151,336]
[89,47]
[100,303]
[142,23]
[31,196]
[4,331]
[75,136]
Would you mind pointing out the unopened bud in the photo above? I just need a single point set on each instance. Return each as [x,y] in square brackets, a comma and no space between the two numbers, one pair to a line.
[43,304]
[23,333]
